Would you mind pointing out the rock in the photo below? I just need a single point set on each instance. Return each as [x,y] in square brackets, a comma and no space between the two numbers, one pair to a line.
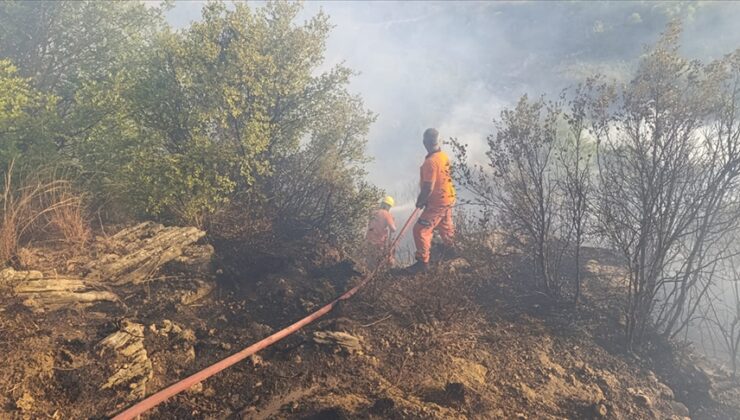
[350,343]
[169,327]
[25,403]
[202,289]
[52,293]
[679,409]
[138,252]
[467,372]
[607,381]
[599,410]
[527,393]
[641,397]
[258,330]
[133,369]
[256,360]
[195,389]
[195,259]
[11,276]
[664,391]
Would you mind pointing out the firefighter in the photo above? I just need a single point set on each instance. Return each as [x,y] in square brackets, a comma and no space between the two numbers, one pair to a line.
[379,231]
[437,197]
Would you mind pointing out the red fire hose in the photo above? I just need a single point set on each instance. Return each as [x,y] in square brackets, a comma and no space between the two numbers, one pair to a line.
[174,389]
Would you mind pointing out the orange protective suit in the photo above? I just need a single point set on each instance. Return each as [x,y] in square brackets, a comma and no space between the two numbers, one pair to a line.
[437,214]
[381,224]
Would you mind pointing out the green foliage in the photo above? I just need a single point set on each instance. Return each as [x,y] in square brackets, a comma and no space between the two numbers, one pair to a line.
[65,46]
[77,53]
[25,119]
[321,186]
[231,112]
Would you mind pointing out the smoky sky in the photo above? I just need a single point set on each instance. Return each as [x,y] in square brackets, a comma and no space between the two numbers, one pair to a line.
[456,65]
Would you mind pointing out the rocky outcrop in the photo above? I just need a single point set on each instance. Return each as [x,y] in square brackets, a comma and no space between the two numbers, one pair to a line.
[124,351]
[134,255]
[41,293]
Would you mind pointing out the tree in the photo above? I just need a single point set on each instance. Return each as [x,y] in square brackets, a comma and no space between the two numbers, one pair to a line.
[576,163]
[669,162]
[720,316]
[232,112]
[79,54]
[66,46]
[520,181]
[26,120]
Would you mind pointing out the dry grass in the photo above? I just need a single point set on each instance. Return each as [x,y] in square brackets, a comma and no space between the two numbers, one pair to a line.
[37,205]
[69,218]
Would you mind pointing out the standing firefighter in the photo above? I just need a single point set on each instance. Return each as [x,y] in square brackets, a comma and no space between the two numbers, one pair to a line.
[437,196]
[378,232]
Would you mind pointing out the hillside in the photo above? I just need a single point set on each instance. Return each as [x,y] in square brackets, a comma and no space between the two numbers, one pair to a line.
[467,340]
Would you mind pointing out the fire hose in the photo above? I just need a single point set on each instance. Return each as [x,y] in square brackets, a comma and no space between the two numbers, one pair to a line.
[174,389]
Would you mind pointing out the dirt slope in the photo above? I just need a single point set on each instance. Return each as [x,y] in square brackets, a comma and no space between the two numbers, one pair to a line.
[468,340]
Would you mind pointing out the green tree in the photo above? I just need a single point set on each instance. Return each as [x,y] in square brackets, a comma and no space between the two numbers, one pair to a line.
[79,53]
[230,114]
[234,112]
[26,120]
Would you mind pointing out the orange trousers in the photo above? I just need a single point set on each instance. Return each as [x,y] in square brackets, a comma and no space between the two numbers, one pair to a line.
[431,219]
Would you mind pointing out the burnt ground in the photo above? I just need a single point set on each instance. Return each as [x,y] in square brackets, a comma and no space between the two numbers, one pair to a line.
[468,340]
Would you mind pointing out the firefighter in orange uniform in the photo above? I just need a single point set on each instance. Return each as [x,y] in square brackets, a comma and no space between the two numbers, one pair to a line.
[437,197]
[379,230]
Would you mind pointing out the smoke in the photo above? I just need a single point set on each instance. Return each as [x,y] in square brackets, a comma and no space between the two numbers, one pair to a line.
[455,65]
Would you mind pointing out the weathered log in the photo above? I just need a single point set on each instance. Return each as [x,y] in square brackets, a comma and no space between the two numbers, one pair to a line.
[133,368]
[139,251]
[39,293]
[10,277]
[195,259]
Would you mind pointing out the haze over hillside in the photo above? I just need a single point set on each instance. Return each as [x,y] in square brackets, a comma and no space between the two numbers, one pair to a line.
[194,225]
[454,65]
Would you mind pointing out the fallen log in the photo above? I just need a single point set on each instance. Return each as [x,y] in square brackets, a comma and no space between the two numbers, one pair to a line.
[52,293]
[135,254]
[133,368]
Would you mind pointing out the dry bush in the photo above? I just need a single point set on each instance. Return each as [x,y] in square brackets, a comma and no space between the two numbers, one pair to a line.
[34,206]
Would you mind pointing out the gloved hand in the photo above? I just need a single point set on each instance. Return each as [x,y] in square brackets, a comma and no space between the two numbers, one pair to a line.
[420,205]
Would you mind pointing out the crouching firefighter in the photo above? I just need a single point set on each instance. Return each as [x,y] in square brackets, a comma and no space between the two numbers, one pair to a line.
[379,231]
[437,197]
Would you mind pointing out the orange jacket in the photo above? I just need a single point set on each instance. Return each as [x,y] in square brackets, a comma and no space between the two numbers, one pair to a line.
[380,223]
[436,170]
